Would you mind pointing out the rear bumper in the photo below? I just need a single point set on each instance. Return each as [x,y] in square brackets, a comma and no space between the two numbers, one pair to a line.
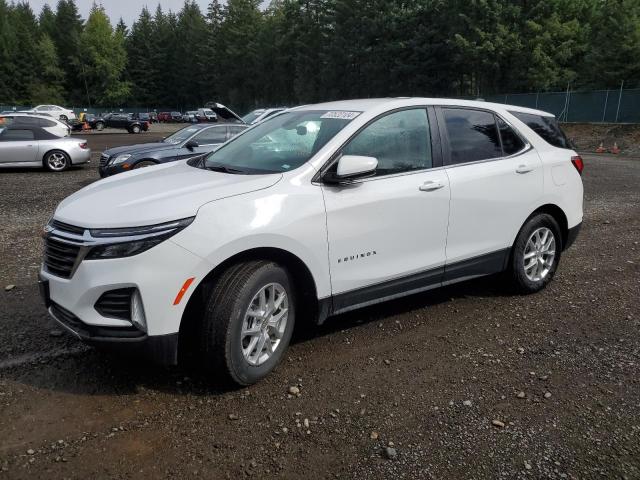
[572,235]
[80,156]
[160,349]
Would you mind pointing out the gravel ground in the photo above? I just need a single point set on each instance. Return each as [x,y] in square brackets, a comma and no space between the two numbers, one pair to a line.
[463,382]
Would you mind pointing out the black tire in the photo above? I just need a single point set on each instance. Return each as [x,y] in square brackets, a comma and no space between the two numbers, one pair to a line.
[224,315]
[56,161]
[516,275]
[144,163]
[135,129]
[99,126]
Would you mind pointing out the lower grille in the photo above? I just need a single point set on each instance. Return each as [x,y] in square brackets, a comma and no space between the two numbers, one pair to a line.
[60,257]
[66,317]
[115,304]
[93,332]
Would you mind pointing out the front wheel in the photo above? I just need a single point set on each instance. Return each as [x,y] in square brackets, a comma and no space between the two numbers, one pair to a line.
[144,164]
[536,254]
[57,161]
[248,321]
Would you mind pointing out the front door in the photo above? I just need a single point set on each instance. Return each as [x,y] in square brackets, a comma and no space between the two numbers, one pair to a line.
[387,233]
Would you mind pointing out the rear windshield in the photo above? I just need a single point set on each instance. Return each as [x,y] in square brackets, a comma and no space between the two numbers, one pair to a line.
[546,127]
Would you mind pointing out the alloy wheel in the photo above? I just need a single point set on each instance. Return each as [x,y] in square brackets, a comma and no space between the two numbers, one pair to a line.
[264,323]
[539,254]
[57,161]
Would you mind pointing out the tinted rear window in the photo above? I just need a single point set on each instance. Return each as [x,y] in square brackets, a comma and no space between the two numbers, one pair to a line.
[511,141]
[17,135]
[545,127]
[473,135]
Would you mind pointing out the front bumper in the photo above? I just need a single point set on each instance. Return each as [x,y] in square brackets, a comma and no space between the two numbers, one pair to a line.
[160,349]
[108,170]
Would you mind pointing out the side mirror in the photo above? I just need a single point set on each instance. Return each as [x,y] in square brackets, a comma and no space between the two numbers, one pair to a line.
[352,167]
[191,144]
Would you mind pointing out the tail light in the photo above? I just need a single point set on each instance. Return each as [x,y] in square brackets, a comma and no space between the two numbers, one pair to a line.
[83,145]
[578,163]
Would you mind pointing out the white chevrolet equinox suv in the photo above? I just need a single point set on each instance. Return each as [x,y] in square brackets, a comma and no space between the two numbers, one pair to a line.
[318,210]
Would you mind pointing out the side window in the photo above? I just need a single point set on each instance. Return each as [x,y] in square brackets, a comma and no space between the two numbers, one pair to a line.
[511,141]
[401,142]
[46,123]
[546,127]
[233,131]
[30,121]
[211,135]
[12,135]
[473,135]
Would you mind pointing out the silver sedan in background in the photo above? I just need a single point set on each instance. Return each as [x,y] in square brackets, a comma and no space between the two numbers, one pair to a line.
[30,146]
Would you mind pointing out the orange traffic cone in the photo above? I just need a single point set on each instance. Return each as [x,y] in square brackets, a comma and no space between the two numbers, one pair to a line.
[615,149]
[601,148]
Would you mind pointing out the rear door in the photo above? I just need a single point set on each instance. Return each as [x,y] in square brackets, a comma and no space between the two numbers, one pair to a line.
[18,145]
[496,181]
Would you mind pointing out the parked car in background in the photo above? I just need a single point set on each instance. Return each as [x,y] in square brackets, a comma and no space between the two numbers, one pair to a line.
[321,210]
[143,116]
[24,145]
[54,111]
[176,117]
[126,121]
[206,115]
[185,143]
[190,116]
[50,124]
[95,122]
[261,114]
[164,117]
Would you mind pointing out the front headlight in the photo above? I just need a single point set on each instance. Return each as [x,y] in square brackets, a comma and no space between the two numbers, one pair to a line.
[126,242]
[120,159]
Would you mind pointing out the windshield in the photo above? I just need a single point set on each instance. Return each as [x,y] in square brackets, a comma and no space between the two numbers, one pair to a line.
[251,116]
[180,136]
[281,143]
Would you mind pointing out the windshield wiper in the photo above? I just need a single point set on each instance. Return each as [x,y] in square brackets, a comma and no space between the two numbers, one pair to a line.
[225,169]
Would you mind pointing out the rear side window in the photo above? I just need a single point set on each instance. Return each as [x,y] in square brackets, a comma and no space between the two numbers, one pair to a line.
[545,127]
[511,141]
[473,135]
[46,123]
[15,135]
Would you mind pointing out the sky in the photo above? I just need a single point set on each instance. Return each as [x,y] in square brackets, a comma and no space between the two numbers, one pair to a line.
[129,10]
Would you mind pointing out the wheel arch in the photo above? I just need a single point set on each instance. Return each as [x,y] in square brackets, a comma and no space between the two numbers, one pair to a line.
[307,304]
[51,150]
[559,216]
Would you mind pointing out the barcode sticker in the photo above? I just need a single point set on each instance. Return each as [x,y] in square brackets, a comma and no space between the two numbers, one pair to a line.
[341,115]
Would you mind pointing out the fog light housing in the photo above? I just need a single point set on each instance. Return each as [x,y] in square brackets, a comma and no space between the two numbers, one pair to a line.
[138,317]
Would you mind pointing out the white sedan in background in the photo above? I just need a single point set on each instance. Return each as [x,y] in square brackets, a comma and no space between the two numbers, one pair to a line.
[54,111]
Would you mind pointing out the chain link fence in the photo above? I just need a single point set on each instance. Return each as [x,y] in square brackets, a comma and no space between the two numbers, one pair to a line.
[596,106]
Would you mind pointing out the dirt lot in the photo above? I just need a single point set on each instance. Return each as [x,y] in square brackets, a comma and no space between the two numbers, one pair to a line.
[427,374]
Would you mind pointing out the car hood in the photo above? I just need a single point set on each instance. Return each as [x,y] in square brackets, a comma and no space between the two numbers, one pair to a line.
[141,148]
[154,195]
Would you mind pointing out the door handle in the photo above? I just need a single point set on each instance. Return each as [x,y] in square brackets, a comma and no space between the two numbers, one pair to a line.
[430,186]
[524,168]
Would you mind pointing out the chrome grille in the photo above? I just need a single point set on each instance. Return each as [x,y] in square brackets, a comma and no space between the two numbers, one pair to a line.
[60,257]
[104,159]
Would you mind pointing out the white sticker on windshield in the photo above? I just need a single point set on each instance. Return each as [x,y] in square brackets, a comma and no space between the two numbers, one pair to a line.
[341,114]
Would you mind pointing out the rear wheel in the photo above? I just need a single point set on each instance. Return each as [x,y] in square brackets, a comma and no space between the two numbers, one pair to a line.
[56,161]
[248,321]
[99,126]
[536,254]
[135,129]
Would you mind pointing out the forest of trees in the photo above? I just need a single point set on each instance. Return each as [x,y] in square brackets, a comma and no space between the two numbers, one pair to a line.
[300,51]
